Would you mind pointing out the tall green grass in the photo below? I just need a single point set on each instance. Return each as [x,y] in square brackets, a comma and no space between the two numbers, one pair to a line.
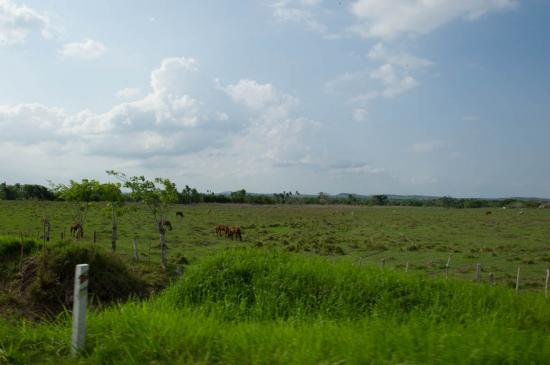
[245,306]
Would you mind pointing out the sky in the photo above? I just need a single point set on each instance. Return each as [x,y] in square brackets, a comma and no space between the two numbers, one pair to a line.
[431,97]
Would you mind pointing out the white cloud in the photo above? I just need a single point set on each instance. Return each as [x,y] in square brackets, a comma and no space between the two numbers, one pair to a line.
[128,93]
[393,83]
[388,19]
[260,98]
[360,115]
[86,49]
[285,11]
[18,21]
[379,52]
[165,121]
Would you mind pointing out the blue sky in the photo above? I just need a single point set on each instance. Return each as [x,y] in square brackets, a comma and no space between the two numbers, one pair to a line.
[364,96]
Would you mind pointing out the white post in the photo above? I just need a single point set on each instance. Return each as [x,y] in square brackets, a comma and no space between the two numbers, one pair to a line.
[478,272]
[136,258]
[80,297]
[447,267]
[517,281]
[546,285]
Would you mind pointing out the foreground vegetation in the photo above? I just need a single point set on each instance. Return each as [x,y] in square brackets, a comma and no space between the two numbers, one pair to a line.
[269,307]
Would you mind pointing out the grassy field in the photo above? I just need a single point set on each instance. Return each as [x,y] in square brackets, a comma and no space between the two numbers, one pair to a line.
[424,237]
[258,306]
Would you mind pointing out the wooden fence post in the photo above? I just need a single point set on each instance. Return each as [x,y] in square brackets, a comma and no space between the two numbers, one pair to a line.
[546,284]
[491,278]
[447,267]
[517,281]
[136,257]
[478,272]
[80,298]
[382,263]
[407,267]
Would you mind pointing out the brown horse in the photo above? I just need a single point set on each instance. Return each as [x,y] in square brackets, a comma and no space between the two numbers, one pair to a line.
[77,230]
[220,230]
[234,233]
[179,214]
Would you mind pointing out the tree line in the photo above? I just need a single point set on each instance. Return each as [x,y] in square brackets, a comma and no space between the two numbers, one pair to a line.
[189,195]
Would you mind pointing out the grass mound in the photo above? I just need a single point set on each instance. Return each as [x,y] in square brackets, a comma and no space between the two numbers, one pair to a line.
[264,285]
[48,278]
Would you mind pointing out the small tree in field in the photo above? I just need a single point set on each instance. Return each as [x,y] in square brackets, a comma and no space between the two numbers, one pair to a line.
[80,195]
[115,206]
[157,195]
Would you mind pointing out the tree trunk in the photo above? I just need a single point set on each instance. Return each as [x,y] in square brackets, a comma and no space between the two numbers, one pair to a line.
[113,231]
[163,253]
[113,237]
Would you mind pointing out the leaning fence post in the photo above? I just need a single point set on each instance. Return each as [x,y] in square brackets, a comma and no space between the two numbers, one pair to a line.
[136,257]
[80,297]
[478,272]
[546,284]
[447,267]
[517,281]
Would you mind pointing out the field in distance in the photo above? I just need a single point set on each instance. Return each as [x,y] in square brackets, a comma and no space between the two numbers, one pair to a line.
[422,237]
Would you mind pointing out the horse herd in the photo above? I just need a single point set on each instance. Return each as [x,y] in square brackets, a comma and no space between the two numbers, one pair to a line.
[229,232]
[222,230]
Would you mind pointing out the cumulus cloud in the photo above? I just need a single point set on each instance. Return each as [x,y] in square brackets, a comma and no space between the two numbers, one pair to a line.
[164,121]
[169,122]
[388,19]
[18,21]
[85,49]
[260,98]
[275,133]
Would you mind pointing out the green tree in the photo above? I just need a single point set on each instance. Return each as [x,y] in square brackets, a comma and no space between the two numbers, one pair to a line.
[81,195]
[157,195]
[380,199]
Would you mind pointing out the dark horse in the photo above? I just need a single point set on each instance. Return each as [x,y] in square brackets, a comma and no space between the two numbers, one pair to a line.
[165,223]
[179,214]
[77,230]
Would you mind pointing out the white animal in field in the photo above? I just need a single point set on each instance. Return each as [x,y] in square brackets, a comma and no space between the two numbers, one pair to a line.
[521,211]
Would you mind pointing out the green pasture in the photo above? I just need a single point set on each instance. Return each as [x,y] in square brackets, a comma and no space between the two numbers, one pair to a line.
[424,237]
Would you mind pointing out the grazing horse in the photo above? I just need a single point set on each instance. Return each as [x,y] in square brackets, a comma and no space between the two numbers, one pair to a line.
[488,212]
[234,233]
[77,230]
[179,214]
[165,223]
[220,230]
[237,233]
